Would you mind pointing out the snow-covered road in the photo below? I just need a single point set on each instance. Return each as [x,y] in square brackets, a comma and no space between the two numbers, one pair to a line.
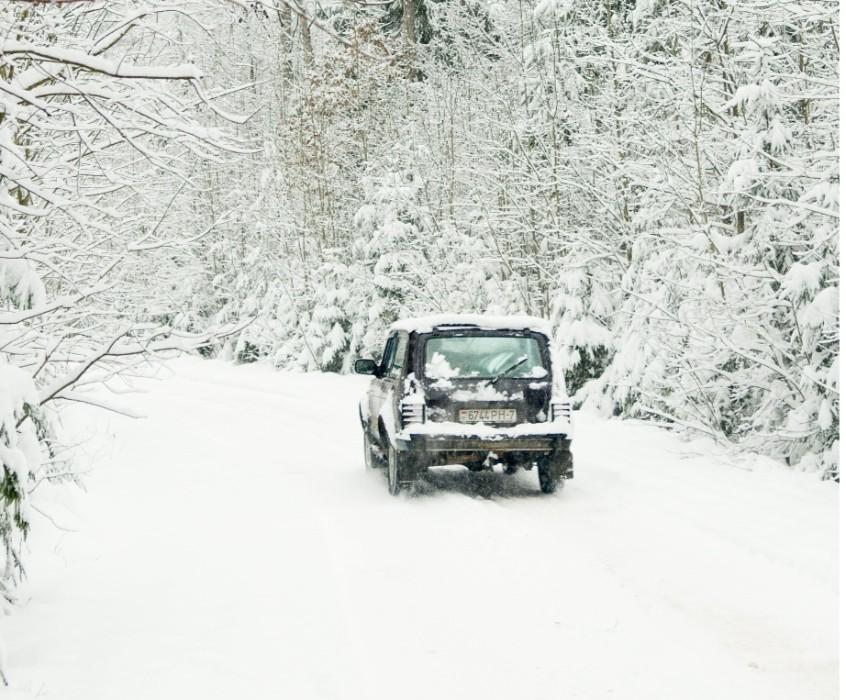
[231,545]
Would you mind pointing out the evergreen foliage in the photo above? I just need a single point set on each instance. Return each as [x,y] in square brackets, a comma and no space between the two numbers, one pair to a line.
[658,178]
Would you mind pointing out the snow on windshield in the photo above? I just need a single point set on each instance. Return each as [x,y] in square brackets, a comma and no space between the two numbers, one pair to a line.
[438,367]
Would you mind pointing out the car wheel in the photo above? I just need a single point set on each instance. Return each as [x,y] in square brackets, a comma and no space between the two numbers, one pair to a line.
[553,469]
[370,459]
[546,477]
[400,471]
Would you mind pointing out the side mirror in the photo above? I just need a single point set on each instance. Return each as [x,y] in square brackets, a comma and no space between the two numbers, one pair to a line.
[366,367]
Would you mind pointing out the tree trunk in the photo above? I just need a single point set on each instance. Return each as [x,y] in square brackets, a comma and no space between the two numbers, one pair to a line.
[409,33]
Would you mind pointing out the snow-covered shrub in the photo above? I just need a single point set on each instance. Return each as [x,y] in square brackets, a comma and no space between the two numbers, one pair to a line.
[583,340]
[25,431]
[20,458]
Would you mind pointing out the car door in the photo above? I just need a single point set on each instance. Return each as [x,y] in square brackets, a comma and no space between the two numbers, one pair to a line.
[395,375]
[386,389]
[380,384]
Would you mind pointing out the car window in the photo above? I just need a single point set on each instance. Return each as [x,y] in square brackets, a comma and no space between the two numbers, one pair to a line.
[398,359]
[481,356]
[388,355]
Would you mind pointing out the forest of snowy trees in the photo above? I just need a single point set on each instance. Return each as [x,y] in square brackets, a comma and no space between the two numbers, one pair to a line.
[278,181]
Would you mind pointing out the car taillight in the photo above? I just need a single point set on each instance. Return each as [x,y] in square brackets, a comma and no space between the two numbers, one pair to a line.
[412,412]
[560,410]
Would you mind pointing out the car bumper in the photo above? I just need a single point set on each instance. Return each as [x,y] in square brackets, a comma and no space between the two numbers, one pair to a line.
[491,440]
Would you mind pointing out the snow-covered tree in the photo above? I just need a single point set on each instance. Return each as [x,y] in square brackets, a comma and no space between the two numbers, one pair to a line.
[658,178]
[99,128]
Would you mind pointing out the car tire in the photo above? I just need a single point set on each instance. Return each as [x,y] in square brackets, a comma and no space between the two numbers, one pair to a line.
[371,461]
[401,471]
[553,469]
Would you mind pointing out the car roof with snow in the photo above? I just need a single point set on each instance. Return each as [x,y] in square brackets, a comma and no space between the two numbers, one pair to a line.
[426,324]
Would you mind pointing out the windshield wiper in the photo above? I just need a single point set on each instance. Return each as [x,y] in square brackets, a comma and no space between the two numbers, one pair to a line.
[523,360]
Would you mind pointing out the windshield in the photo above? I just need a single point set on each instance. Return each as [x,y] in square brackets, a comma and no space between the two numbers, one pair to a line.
[484,356]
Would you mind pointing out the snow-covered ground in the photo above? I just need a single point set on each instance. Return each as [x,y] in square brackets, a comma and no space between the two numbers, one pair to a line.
[231,545]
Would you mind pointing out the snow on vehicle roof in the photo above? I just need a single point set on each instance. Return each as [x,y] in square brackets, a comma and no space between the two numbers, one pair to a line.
[426,324]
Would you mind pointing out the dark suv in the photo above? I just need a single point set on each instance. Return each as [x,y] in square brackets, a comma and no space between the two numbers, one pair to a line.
[471,390]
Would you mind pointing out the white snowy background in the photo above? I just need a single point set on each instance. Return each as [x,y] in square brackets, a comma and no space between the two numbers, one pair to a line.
[252,180]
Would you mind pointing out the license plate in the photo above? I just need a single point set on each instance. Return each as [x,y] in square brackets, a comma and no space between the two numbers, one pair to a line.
[487,415]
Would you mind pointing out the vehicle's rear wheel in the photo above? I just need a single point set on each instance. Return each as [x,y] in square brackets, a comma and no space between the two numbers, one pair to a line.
[401,470]
[553,469]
